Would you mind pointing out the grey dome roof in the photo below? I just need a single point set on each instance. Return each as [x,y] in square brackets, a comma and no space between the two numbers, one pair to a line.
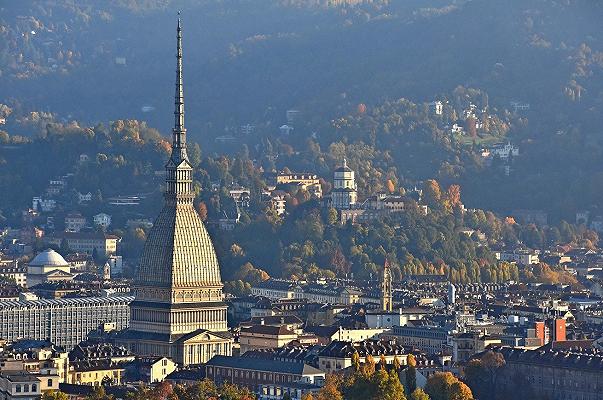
[49,257]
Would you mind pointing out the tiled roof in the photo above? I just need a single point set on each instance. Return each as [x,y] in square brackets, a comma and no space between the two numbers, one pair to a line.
[589,361]
[267,330]
[256,364]
[339,348]
[64,302]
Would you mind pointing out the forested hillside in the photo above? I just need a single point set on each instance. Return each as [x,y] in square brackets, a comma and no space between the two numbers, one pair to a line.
[247,62]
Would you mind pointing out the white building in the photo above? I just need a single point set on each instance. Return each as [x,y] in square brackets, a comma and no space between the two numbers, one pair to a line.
[102,219]
[285,129]
[74,222]
[116,264]
[389,319]
[521,257]
[505,151]
[292,116]
[84,197]
[11,270]
[436,107]
[43,205]
[65,322]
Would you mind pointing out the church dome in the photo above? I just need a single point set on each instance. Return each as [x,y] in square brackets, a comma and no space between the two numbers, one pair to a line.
[344,167]
[49,257]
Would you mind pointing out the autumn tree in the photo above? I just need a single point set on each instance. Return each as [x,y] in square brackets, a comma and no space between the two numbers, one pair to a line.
[202,208]
[453,195]
[98,393]
[54,395]
[419,394]
[390,186]
[438,385]
[432,194]
[482,374]
[330,391]
[459,391]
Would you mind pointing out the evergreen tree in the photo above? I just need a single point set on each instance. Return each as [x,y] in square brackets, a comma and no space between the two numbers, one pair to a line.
[411,374]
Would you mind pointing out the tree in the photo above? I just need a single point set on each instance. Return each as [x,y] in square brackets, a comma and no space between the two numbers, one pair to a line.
[482,374]
[286,396]
[202,208]
[232,392]
[411,374]
[438,385]
[307,396]
[432,194]
[99,394]
[453,195]
[471,125]
[397,364]
[356,361]
[330,391]
[64,247]
[390,186]
[459,391]
[54,395]
[393,389]
[419,394]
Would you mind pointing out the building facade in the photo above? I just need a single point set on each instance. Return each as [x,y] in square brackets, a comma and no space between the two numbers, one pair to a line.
[86,242]
[255,373]
[429,339]
[552,374]
[11,270]
[305,181]
[65,322]
[74,222]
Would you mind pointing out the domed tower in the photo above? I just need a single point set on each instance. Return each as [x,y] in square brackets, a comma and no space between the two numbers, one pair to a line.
[179,310]
[344,194]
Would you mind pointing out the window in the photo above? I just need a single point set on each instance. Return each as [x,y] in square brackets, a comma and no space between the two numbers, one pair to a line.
[18,388]
[34,387]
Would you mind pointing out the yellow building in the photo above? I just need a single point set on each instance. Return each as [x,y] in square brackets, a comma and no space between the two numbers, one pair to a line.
[265,337]
[308,182]
[86,242]
[95,373]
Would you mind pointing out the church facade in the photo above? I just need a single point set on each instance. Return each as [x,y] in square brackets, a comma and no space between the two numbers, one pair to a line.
[178,310]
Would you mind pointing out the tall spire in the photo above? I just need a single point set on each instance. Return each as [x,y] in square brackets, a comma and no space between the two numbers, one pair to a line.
[179,172]
[179,131]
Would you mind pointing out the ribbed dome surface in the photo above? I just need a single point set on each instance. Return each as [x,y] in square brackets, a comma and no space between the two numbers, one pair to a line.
[178,252]
[49,257]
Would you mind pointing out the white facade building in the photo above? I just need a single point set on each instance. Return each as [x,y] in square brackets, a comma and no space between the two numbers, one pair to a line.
[102,219]
[65,322]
